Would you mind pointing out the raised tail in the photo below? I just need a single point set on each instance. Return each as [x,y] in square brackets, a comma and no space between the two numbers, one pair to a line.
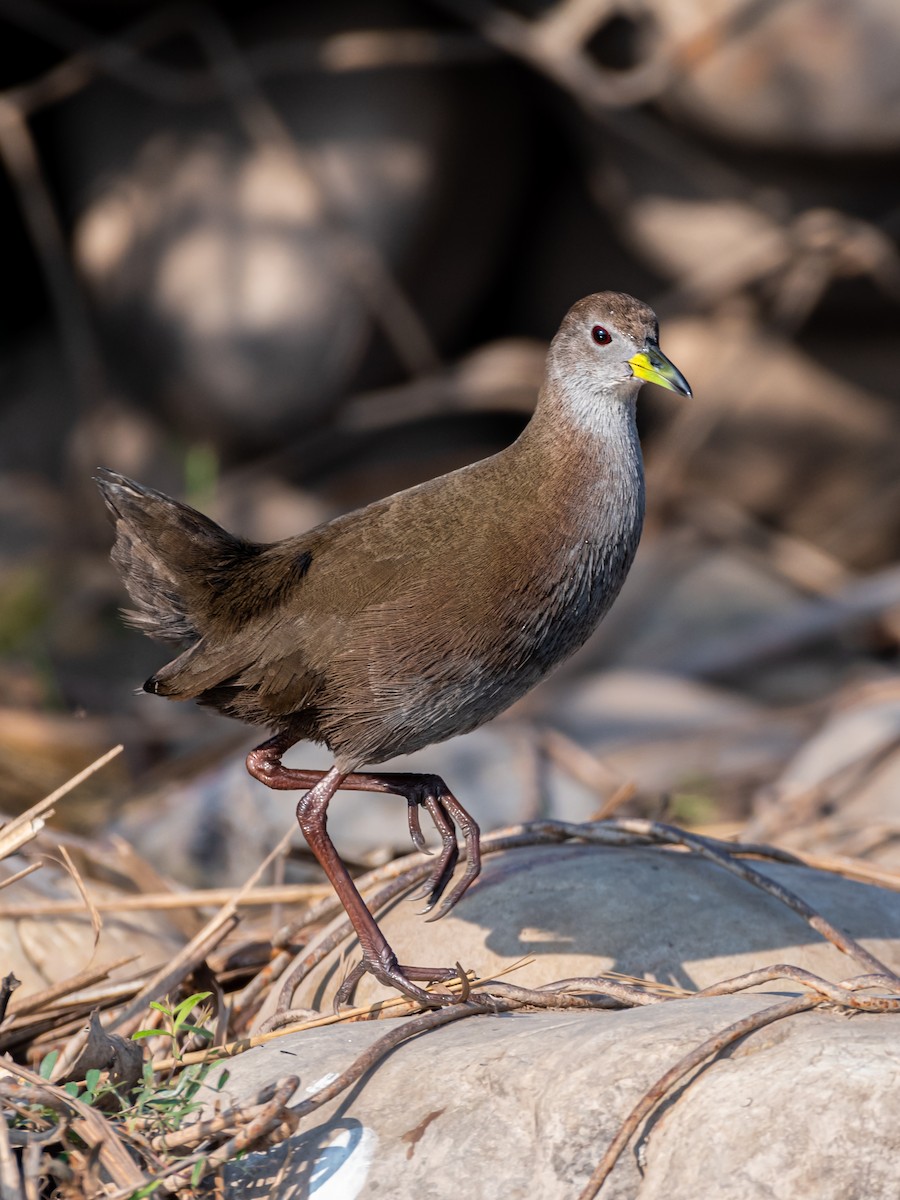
[174,561]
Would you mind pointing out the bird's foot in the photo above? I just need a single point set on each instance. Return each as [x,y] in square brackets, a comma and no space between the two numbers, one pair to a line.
[389,972]
[431,793]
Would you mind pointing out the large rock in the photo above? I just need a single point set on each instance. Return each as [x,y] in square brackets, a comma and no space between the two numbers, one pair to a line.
[524,1105]
[581,910]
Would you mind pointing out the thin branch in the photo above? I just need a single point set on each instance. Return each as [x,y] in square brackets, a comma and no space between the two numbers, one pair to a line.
[723,857]
[708,1049]
[23,165]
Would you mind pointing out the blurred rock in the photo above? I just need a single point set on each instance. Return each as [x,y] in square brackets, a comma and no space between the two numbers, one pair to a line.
[241,271]
[43,950]
[663,734]
[213,828]
[782,438]
[666,735]
[41,751]
[209,828]
[840,794]
[581,910]
[811,75]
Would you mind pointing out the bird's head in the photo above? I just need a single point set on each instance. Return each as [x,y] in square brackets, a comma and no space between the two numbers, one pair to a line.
[606,347]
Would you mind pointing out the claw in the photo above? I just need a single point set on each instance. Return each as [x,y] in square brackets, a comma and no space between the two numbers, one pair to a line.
[464,987]
[415,827]
[345,992]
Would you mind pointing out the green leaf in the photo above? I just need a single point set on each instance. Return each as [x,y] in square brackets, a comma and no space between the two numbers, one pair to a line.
[198,1029]
[183,1010]
[147,1190]
[48,1062]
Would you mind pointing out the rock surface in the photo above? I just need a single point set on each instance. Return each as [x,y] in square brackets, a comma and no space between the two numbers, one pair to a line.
[524,1105]
[580,910]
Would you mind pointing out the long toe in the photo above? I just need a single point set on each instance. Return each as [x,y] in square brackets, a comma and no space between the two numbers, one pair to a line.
[473,870]
[436,884]
[401,978]
[472,834]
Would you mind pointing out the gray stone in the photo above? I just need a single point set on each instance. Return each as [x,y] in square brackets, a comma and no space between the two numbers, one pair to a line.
[524,1105]
[580,910]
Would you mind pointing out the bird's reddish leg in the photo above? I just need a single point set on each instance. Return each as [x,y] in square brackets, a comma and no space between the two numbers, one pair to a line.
[264,763]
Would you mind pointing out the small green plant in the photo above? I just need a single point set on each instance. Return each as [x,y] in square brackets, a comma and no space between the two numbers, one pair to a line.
[154,1107]
[165,1106]
[92,1087]
[48,1062]
[178,1024]
[162,1103]
[170,1102]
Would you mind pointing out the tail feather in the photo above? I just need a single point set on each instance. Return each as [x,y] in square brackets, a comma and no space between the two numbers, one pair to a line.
[174,561]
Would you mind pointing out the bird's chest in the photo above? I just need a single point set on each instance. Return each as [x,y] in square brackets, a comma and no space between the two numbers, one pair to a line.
[549,607]
[510,608]
[556,612]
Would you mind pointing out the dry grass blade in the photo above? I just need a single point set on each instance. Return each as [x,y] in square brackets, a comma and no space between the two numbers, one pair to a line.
[298,893]
[96,920]
[29,870]
[28,824]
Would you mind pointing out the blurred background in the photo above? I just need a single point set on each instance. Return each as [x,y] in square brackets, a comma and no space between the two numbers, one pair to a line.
[282,259]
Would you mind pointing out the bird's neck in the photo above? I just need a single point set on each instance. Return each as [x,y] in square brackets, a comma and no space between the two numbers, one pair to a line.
[574,509]
[591,454]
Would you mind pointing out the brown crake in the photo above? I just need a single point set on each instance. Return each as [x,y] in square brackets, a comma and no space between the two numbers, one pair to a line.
[417,618]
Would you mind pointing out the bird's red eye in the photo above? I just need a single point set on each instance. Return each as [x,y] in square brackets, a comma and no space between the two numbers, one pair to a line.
[601,336]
